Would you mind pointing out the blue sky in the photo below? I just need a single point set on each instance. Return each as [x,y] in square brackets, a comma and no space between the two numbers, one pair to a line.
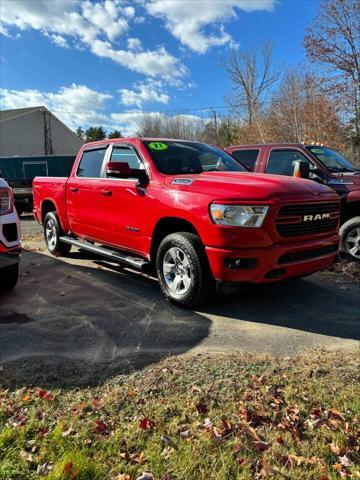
[106,61]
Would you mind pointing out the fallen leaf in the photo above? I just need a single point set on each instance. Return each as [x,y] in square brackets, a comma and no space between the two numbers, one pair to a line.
[41,431]
[201,407]
[345,461]
[67,468]
[46,395]
[252,434]
[145,476]
[139,458]
[336,414]
[208,423]
[335,448]
[43,470]
[261,446]
[26,456]
[146,423]
[100,426]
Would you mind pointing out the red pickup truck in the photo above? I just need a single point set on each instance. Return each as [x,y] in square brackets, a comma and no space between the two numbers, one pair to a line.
[189,211]
[319,163]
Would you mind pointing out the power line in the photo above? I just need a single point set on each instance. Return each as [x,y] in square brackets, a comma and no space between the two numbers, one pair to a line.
[213,108]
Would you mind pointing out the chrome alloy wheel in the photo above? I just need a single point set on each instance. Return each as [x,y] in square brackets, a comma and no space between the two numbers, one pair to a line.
[352,242]
[177,270]
[51,234]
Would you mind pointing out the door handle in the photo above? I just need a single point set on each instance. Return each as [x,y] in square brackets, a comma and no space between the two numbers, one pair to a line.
[74,189]
[107,193]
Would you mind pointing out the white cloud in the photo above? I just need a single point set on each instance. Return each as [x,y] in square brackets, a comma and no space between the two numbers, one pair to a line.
[187,20]
[142,92]
[71,105]
[95,25]
[150,62]
[59,40]
[134,44]
[75,105]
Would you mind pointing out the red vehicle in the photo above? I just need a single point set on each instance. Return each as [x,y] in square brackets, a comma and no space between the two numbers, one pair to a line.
[318,163]
[189,211]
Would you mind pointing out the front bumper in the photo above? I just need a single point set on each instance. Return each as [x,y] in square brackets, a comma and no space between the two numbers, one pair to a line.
[9,257]
[275,263]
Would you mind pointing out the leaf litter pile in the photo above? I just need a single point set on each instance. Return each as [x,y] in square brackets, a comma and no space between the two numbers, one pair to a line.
[191,417]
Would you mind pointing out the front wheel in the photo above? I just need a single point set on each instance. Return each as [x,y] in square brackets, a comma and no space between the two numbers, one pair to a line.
[52,234]
[350,238]
[9,277]
[183,270]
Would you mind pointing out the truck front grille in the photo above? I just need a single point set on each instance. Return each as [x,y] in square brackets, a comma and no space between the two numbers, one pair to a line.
[307,219]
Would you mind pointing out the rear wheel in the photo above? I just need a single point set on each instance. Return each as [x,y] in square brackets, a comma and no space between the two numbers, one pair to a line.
[350,238]
[183,270]
[52,233]
[9,277]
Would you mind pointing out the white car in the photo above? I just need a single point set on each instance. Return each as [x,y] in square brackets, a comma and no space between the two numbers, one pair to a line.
[9,239]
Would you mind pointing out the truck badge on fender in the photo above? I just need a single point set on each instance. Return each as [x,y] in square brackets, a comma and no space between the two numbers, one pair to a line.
[182,181]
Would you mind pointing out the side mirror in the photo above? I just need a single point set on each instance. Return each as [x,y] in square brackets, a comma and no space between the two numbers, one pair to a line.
[143,179]
[118,170]
[301,169]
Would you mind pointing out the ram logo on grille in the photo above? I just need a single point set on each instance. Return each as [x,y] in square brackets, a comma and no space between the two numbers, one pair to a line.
[316,217]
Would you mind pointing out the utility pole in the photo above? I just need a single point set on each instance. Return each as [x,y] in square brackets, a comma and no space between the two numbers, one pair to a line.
[48,148]
[215,126]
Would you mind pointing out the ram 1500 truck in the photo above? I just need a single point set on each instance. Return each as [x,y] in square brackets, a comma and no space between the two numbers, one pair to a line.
[319,163]
[190,212]
[9,239]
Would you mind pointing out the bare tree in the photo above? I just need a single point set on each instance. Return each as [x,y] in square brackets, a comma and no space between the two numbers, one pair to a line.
[187,127]
[302,112]
[333,40]
[252,78]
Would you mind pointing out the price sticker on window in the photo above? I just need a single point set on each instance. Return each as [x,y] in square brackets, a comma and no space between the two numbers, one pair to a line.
[158,146]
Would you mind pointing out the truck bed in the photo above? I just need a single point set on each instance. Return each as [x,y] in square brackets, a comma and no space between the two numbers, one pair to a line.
[53,189]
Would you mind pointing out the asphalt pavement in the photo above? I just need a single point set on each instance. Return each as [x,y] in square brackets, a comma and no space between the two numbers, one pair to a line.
[81,320]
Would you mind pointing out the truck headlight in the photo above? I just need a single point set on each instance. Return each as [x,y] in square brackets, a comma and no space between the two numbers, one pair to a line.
[238,215]
[6,200]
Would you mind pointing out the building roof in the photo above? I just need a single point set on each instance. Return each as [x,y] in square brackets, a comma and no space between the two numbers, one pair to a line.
[16,112]
[35,131]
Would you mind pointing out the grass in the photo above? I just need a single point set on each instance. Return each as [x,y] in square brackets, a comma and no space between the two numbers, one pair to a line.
[191,417]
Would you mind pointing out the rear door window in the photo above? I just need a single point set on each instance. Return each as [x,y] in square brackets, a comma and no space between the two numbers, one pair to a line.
[282,162]
[91,163]
[246,157]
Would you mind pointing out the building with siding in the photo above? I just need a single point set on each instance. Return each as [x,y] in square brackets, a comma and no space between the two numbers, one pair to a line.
[35,131]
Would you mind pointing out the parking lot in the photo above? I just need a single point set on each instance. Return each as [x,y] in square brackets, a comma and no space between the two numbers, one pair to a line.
[80,319]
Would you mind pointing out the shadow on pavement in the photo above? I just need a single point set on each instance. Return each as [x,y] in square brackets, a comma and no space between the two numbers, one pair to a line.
[309,305]
[70,325]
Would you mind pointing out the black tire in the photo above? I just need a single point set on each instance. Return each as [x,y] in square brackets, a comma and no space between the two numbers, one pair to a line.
[350,236]
[201,286]
[9,277]
[53,243]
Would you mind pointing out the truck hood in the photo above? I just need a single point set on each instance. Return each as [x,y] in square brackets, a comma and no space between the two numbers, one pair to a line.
[238,185]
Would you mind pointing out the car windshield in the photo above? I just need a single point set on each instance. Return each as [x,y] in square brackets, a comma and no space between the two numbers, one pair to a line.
[177,157]
[332,160]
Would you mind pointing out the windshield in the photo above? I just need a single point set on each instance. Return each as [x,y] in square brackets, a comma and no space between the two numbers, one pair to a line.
[332,160]
[176,157]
